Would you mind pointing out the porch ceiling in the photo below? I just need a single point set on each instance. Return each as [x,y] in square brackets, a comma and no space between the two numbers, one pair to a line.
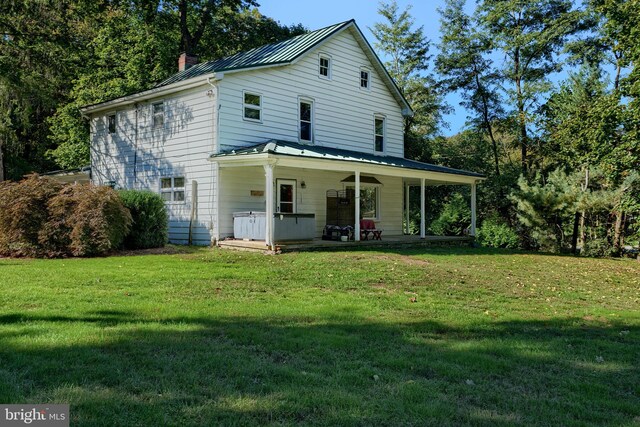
[292,154]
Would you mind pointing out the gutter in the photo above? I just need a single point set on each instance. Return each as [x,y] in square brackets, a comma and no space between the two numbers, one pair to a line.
[148,94]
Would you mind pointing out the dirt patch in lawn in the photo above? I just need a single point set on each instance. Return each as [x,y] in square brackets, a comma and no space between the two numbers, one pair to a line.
[395,258]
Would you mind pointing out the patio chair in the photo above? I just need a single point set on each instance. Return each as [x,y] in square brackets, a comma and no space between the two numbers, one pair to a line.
[368,226]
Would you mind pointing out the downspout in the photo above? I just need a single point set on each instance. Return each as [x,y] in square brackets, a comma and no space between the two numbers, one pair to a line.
[135,147]
[194,208]
[214,92]
[214,193]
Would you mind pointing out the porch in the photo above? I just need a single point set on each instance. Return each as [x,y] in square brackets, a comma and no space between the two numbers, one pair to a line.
[389,242]
[300,189]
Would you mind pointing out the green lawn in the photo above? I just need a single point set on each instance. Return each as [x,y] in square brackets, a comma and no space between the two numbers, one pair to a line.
[212,337]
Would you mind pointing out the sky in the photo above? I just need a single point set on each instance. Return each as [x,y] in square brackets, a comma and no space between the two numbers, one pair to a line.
[314,15]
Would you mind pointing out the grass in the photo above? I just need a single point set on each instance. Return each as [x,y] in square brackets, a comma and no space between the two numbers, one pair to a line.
[211,337]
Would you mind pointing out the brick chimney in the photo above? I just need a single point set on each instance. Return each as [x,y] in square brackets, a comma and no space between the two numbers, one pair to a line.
[186,61]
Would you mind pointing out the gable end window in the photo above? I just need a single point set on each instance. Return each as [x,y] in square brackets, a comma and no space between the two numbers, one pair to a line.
[172,189]
[324,66]
[158,114]
[306,120]
[252,107]
[364,79]
[379,133]
[111,123]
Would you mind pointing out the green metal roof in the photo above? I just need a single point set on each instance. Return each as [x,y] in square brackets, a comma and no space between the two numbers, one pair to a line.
[283,52]
[288,148]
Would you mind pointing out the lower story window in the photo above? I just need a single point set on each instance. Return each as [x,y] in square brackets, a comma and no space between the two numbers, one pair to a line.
[369,201]
[172,189]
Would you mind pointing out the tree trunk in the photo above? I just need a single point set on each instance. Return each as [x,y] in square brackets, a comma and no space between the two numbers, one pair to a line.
[574,236]
[625,229]
[189,40]
[616,82]
[522,122]
[2,173]
[583,230]
[185,36]
[617,233]
[487,124]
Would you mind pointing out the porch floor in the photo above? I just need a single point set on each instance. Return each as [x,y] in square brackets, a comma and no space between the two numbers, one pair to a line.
[399,241]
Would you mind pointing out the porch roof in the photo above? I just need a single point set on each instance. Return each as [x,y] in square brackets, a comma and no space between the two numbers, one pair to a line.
[294,149]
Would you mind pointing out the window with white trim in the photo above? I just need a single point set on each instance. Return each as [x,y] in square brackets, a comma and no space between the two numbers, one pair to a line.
[365,82]
[158,114]
[369,201]
[252,106]
[305,115]
[111,123]
[172,188]
[324,64]
[379,130]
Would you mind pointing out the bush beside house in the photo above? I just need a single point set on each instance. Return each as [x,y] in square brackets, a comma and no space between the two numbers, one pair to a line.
[454,218]
[40,217]
[149,227]
[24,213]
[85,220]
[496,234]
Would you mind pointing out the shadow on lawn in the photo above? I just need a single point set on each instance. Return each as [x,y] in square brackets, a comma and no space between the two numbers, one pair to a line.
[195,371]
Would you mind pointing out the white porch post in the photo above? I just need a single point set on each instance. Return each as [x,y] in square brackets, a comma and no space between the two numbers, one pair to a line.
[473,209]
[268,190]
[357,224]
[423,231]
[406,209]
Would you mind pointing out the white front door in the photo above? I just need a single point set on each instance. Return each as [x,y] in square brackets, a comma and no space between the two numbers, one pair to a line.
[286,195]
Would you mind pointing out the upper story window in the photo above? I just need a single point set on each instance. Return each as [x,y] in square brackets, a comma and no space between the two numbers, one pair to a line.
[306,120]
[379,128]
[158,114]
[252,106]
[365,82]
[172,189]
[324,66]
[111,123]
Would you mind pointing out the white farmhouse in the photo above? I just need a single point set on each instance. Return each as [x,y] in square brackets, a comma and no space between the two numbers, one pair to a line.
[289,137]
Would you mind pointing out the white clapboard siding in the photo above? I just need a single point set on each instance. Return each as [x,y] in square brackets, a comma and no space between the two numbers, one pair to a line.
[180,148]
[344,113]
[138,155]
[237,184]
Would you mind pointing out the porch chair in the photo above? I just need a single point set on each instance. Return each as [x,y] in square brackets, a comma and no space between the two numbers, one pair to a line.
[368,226]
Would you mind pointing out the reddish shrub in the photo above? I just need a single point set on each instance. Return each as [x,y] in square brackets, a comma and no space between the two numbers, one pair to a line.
[85,220]
[40,217]
[23,213]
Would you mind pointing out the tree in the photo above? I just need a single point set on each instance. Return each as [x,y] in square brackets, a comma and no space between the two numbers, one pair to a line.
[464,65]
[588,125]
[530,34]
[128,52]
[136,44]
[407,50]
[39,45]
